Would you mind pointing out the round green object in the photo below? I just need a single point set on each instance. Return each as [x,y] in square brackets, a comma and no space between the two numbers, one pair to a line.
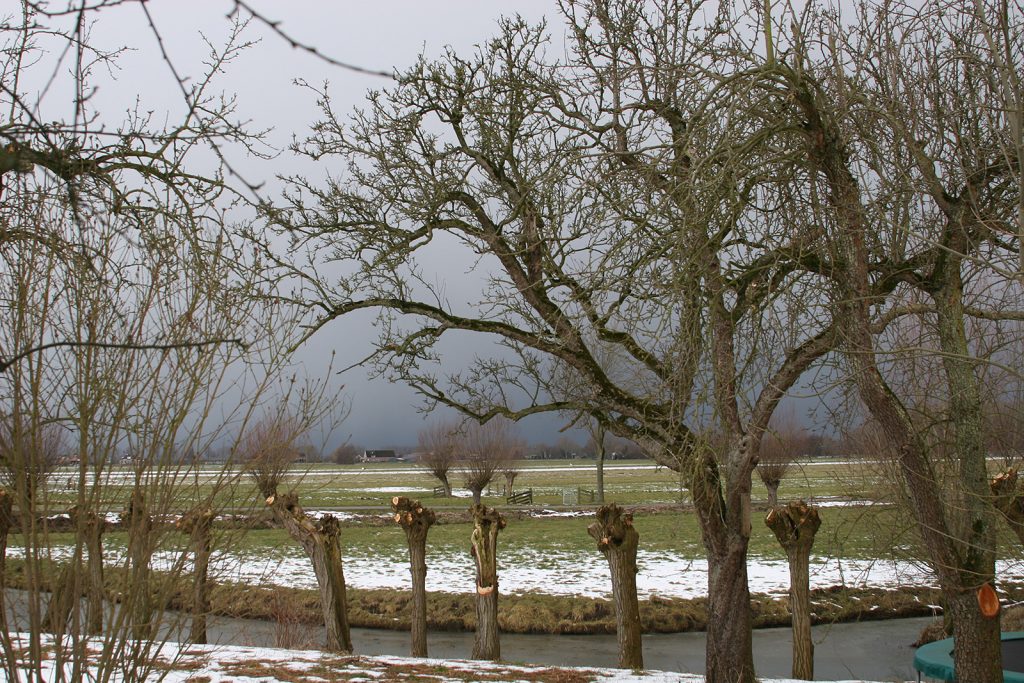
[935,660]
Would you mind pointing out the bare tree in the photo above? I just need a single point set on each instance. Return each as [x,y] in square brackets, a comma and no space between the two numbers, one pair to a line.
[779,448]
[512,464]
[923,206]
[126,307]
[794,526]
[29,453]
[198,524]
[267,450]
[438,443]
[486,449]
[608,208]
[345,454]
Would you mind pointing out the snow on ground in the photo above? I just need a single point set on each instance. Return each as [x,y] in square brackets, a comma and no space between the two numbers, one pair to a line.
[220,664]
[554,572]
[664,574]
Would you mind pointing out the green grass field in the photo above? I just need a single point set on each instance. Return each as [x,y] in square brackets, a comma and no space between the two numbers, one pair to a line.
[867,527]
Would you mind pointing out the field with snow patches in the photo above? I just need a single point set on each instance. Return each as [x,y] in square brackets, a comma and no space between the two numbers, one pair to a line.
[552,559]
[553,569]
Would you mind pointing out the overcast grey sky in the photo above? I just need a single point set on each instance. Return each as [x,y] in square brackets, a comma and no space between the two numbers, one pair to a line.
[381,35]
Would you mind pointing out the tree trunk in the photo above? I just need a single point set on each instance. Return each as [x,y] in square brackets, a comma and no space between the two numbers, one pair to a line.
[199,524]
[730,653]
[96,590]
[62,601]
[6,522]
[773,494]
[618,540]
[977,649]
[416,521]
[447,486]
[1008,501]
[725,533]
[320,540]
[486,525]
[794,526]
[476,496]
[140,544]
[599,442]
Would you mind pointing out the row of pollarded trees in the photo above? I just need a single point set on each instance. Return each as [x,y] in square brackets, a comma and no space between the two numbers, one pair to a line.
[477,452]
[721,210]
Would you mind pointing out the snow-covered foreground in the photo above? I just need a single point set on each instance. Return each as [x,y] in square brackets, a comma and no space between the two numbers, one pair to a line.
[221,664]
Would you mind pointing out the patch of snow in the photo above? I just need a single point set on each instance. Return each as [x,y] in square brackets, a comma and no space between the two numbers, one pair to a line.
[555,572]
[215,663]
[562,513]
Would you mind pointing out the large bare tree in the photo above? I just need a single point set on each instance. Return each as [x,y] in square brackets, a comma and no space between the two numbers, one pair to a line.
[623,198]
[911,125]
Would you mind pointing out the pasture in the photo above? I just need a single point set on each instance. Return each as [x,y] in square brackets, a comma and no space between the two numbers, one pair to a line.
[864,541]
[553,580]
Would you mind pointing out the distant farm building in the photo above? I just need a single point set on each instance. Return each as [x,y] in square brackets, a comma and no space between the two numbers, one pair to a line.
[379,456]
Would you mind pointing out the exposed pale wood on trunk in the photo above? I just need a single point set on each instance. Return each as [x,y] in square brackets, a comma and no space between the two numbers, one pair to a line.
[618,540]
[486,525]
[416,521]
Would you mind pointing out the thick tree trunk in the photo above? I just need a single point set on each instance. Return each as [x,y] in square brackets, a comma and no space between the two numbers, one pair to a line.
[977,650]
[725,533]
[1009,501]
[730,654]
[476,496]
[199,525]
[320,541]
[599,442]
[794,526]
[486,525]
[618,540]
[416,521]
[140,552]
[773,494]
